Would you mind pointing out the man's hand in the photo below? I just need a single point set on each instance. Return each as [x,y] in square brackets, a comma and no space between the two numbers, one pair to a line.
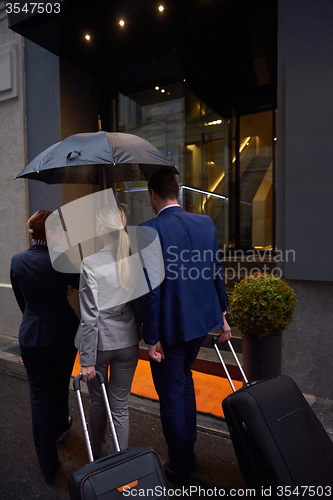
[225,332]
[88,372]
[155,352]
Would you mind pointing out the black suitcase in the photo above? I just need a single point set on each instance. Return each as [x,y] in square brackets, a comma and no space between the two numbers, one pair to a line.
[282,449]
[134,472]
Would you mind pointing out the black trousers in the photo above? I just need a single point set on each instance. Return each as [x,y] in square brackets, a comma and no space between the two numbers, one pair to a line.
[49,370]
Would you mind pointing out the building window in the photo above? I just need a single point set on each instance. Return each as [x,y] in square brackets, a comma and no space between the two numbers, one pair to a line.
[226,164]
[256,173]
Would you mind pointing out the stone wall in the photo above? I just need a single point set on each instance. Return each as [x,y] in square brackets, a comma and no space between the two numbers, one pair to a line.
[13,206]
[304,180]
[307,346]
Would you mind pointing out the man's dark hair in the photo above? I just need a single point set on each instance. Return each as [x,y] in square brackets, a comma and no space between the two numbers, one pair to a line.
[163,181]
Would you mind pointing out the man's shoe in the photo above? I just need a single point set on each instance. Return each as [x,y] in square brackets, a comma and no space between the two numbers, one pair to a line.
[50,476]
[60,438]
[176,477]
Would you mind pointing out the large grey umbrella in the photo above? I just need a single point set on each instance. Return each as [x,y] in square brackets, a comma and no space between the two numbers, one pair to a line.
[96,158]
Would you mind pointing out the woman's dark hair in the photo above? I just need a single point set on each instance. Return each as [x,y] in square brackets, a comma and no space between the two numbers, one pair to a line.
[36,224]
[163,181]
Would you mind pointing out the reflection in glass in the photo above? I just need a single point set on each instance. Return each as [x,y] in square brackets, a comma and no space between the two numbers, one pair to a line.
[256,180]
[156,115]
[202,144]
[206,164]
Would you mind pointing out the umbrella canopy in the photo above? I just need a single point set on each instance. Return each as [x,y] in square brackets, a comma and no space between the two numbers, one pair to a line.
[86,158]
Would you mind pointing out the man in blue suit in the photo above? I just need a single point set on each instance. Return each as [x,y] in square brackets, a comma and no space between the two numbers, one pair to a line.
[178,314]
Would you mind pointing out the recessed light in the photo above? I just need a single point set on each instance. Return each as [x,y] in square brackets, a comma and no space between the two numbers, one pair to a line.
[122,22]
[162,90]
[161,8]
[157,87]
[87,37]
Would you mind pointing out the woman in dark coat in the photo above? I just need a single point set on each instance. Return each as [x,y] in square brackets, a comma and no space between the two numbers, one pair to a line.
[46,335]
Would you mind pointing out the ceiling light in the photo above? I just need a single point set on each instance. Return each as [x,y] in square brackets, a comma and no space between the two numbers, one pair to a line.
[121,22]
[162,90]
[161,8]
[87,37]
[215,122]
[157,87]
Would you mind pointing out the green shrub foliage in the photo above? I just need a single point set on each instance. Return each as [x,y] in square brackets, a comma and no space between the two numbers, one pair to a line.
[262,305]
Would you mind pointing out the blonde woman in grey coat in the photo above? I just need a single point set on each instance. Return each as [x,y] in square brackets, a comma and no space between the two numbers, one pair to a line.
[108,334]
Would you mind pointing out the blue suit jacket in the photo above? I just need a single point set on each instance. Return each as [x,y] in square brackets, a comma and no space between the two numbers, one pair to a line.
[191,299]
[41,293]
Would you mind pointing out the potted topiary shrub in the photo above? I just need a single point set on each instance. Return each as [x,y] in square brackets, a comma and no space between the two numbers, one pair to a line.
[262,306]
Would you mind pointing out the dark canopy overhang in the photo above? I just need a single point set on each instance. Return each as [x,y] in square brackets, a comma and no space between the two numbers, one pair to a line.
[225,49]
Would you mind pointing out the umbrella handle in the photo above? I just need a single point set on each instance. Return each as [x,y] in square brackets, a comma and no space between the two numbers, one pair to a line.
[105,187]
[69,156]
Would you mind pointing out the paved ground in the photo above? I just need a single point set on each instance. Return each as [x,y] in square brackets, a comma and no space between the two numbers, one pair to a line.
[20,478]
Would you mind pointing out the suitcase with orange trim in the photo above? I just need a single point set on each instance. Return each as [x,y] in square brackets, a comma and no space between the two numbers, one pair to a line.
[282,449]
[133,472]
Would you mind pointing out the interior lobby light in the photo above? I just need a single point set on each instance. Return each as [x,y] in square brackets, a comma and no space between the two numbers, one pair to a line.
[161,8]
[215,122]
[121,23]
[157,87]
[87,37]
[162,90]
[245,143]
[242,146]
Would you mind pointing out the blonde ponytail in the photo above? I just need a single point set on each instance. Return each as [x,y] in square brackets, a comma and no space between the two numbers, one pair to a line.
[114,219]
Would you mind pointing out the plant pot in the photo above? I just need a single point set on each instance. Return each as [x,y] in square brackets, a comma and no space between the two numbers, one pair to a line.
[261,357]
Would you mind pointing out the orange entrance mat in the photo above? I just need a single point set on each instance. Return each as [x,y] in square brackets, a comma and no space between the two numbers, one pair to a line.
[209,389]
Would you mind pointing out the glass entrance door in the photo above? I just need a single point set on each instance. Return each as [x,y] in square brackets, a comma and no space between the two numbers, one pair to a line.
[256,180]
[205,183]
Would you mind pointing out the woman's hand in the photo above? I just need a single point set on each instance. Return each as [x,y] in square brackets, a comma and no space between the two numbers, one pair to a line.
[88,373]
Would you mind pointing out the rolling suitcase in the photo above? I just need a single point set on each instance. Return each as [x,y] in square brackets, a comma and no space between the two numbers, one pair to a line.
[134,472]
[282,449]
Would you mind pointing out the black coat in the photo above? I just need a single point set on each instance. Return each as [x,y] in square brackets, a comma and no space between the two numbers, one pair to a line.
[41,293]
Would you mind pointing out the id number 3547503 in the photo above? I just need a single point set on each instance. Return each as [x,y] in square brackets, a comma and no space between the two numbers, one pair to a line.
[33,7]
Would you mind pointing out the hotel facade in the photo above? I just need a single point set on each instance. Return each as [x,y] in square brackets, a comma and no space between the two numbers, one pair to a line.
[236,93]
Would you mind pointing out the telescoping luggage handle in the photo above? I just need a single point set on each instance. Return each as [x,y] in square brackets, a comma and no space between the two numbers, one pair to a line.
[77,389]
[214,342]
